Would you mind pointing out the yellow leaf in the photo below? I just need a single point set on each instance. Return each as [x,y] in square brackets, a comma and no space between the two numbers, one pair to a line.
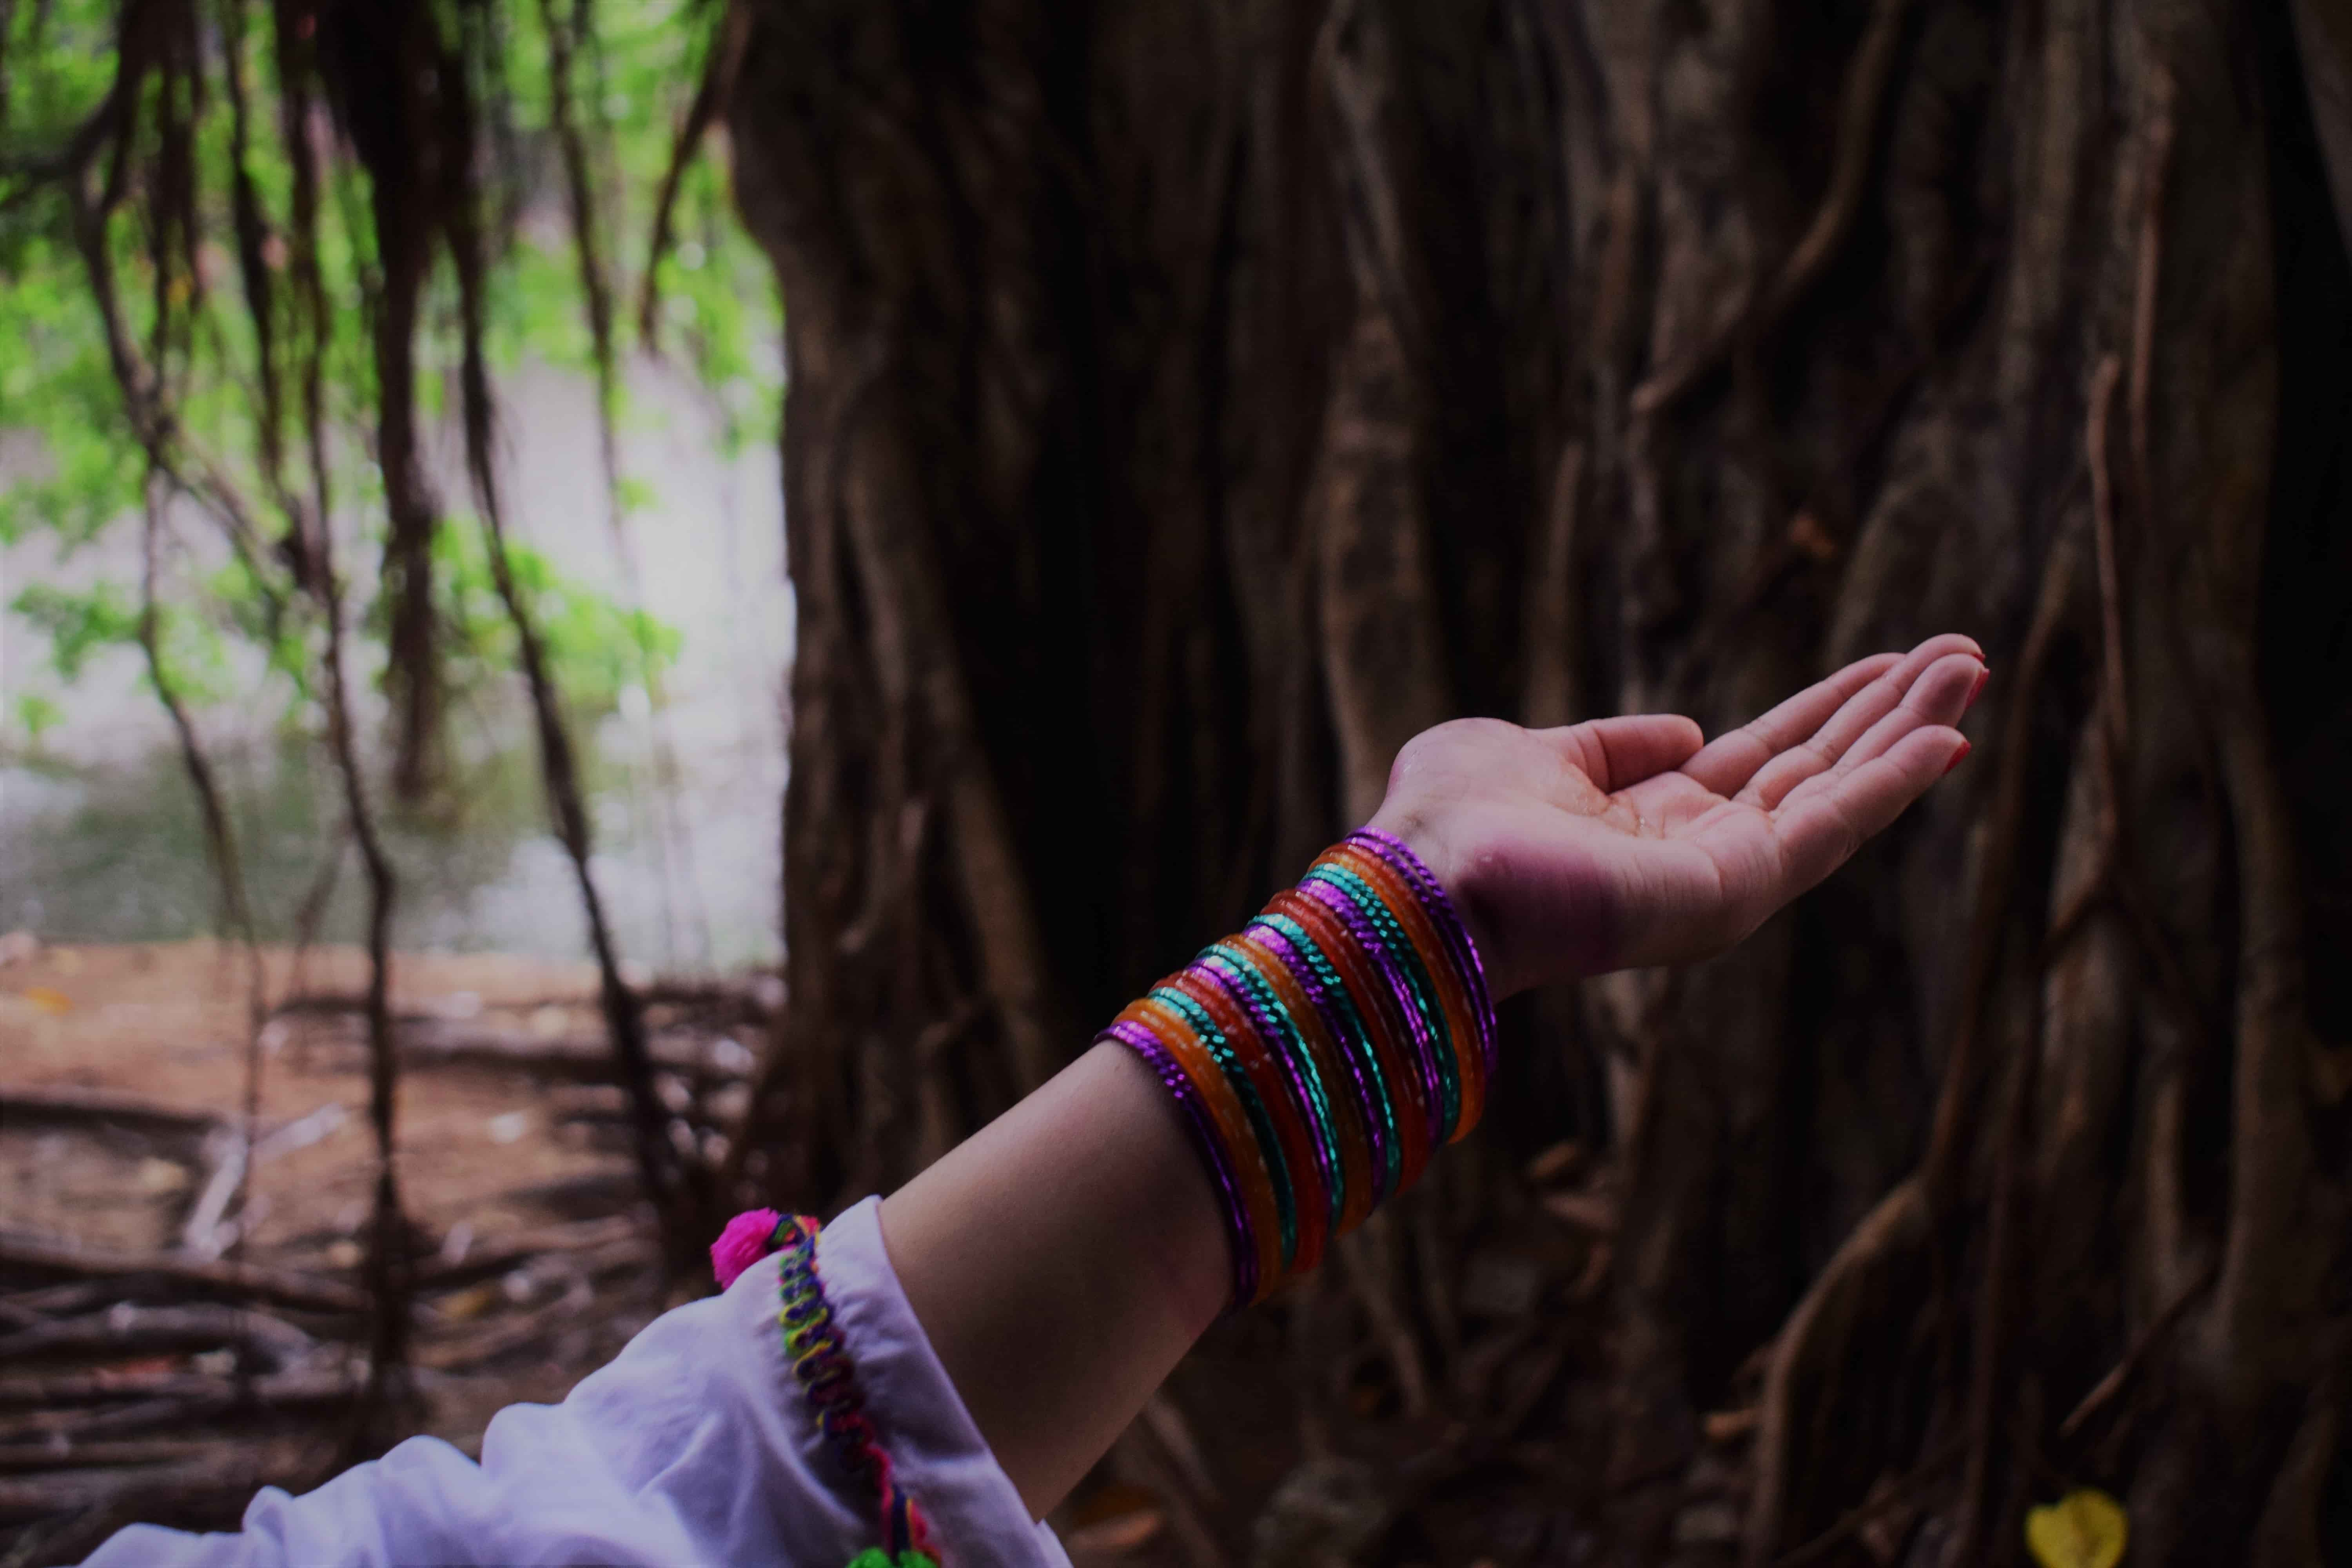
[2085,1528]
[467,1305]
[53,1002]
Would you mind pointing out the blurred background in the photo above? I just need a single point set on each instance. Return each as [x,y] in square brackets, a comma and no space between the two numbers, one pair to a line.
[620,609]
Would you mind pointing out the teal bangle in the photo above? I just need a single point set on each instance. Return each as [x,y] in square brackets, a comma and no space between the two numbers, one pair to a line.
[1286,1201]
[1395,954]
[1330,990]
[1235,966]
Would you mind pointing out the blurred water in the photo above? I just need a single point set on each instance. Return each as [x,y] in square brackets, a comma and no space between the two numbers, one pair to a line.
[99,837]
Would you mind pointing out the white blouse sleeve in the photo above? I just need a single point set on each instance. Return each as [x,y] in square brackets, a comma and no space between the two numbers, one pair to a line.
[693,1447]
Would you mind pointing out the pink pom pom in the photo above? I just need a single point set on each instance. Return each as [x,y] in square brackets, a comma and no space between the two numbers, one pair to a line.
[748,1238]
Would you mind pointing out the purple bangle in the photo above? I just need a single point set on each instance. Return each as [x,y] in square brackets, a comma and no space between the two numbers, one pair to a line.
[1400,993]
[1240,1235]
[1407,1094]
[1319,1133]
[1396,1004]
[1418,972]
[1370,1095]
[1456,932]
[1449,924]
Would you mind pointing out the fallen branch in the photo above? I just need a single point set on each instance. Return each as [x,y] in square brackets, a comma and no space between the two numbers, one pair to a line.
[425,1042]
[513,1251]
[283,1287]
[22,1457]
[57,1430]
[587,1102]
[227,1473]
[106,1107]
[125,1329]
[277,1391]
[60,1301]
[486,1344]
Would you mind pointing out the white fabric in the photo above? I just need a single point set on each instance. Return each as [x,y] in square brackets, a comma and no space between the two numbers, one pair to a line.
[693,1447]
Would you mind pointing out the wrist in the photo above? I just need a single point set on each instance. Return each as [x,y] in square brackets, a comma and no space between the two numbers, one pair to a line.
[1467,876]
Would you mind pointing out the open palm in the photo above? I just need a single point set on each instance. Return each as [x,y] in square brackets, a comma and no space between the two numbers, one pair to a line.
[1632,841]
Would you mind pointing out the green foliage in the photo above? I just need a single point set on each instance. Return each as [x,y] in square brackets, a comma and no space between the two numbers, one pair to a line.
[56,387]
[602,648]
[78,625]
[36,715]
[71,465]
[82,623]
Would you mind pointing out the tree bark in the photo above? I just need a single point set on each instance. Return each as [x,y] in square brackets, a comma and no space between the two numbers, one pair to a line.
[1188,404]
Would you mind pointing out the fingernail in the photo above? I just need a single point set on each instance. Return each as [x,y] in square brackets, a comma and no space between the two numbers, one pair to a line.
[1978,689]
[1961,755]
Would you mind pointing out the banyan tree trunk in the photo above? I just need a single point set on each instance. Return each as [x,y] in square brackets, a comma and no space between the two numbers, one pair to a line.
[1189,402]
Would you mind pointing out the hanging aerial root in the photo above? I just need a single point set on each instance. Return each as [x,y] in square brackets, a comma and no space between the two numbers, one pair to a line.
[1813,1363]
[710,95]
[220,837]
[1861,107]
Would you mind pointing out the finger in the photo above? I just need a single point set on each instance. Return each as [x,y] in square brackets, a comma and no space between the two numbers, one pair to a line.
[1616,753]
[1875,718]
[1729,761]
[1939,697]
[1825,820]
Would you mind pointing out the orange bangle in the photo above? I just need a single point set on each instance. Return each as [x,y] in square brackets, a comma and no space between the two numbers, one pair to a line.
[1346,1119]
[1374,1002]
[1176,1035]
[1309,1199]
[1470,1062]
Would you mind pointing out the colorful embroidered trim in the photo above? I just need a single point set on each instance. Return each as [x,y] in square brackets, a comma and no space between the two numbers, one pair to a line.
[1321,1055]
[820,1359]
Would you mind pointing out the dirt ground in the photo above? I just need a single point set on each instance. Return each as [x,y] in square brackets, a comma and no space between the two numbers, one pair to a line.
[480,1156]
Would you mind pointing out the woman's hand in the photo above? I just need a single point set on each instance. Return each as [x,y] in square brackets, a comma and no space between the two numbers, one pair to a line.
[1626,842]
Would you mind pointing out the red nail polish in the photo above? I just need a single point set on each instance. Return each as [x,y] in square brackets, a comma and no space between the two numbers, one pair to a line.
[1978,689]
[1959,757]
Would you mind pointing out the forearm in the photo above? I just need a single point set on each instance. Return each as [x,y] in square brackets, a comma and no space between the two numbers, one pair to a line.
[1247,1112]
[1062,1262]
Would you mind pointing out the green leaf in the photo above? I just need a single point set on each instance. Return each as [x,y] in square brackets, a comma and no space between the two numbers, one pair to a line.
[80,625]
[36,714]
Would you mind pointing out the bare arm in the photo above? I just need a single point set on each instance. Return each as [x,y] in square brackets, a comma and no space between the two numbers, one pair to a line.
[1063,1259]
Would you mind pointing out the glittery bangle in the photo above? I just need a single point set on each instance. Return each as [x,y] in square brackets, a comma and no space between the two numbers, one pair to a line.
[1263,1239]
[1187,1008]
[1327,1074]
[1393,947]
[1326,988]
[1467,963]
[1294,961]
[1201,1125]
[1298,1191]
[1441,1100]
[1304,1080]
[1374,1005]
[1322,1055]
[1405,905]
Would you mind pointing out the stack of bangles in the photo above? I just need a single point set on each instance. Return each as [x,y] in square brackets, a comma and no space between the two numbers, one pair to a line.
[1323,1053]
